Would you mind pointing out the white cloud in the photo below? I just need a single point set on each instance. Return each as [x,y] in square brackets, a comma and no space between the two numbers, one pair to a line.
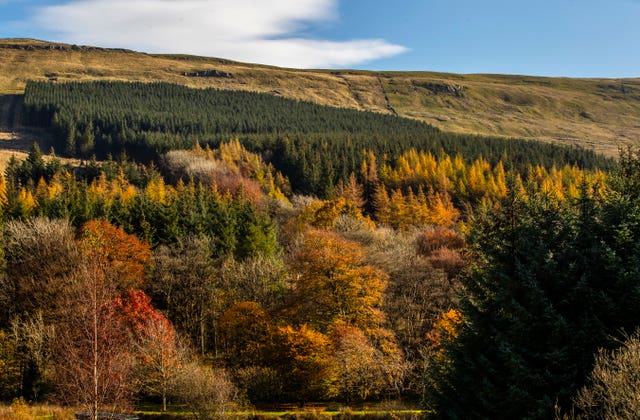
[262,31]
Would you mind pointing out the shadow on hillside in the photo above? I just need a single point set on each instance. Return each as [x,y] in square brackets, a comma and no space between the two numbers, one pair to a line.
[13,135]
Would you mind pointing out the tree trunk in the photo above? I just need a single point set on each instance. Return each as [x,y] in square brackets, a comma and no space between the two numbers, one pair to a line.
[94,414]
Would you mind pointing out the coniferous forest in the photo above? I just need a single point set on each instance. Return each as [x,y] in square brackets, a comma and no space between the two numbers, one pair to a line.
[216,250]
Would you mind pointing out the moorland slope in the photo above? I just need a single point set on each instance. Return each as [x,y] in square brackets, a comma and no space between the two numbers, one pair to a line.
[600,114]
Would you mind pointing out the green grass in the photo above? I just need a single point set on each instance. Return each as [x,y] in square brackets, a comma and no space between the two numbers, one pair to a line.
[312,411]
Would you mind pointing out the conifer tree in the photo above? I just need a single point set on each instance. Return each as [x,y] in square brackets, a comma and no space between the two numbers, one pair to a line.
[553,282]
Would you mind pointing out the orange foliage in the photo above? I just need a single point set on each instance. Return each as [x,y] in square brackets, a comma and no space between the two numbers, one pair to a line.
[478,180]
[439,237]
[351,191]
[242,171]
[127,255]
[445,329]
[360,370]
[448,260]
[401,210]
[234,184]
[325,213]
[245,329]
[302,356]
[335,283]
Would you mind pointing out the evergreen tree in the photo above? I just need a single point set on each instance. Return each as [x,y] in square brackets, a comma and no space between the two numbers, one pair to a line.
[552,283]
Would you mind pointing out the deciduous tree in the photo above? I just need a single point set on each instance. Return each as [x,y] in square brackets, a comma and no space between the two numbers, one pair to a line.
[40,255]
[335,283]
[94,356]
[184,285]
[612,391]
[159,355]
[125,254]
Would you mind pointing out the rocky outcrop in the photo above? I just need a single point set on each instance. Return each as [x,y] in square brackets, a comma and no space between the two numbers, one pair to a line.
[441,88]
[208,73]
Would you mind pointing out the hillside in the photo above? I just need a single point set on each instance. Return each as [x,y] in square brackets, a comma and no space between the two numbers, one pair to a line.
[601,114]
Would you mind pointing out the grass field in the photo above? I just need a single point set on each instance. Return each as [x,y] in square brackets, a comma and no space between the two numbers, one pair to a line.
[22,411]
[601,114]
[327,411]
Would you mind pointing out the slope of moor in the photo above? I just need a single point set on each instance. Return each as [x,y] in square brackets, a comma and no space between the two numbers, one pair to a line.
[601,114]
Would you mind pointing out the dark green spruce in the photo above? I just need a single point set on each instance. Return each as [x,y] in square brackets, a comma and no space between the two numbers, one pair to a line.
[552,284]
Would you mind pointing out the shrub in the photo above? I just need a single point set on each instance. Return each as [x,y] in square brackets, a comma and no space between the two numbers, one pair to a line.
[613,390]
[439,237]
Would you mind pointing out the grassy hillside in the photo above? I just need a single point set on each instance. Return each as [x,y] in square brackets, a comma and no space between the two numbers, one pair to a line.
[601,114]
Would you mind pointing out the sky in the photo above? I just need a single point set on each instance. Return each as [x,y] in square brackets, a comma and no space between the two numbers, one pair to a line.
[572,38]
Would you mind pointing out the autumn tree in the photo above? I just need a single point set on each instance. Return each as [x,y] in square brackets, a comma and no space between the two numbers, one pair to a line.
[334,283]
[245,331]
[351,191]
[301,357]
[94,357]
[552,283]
[157,351]
[612,389]
[34,340]
[40,255]
[125,254]
[206,392]
[359,370]
[262,279]
[10,375]
[417,292]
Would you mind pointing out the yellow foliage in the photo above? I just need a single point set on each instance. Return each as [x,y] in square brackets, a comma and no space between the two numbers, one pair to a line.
[3,191]
[449,324]
[477,182]
[157,191]
[26,200]
[20,409]
[128,194]
[243,164]
[443,213]
[325,213]
[54,188]
[335,283]
[445,330]
[402,210]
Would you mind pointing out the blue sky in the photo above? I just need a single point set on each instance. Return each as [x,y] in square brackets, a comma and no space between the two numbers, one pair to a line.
[575,38]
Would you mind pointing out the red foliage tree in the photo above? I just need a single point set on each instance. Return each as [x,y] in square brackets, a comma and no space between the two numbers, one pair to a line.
[155,346]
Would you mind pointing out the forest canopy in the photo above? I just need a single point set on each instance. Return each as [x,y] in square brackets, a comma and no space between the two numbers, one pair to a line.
[314,146]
